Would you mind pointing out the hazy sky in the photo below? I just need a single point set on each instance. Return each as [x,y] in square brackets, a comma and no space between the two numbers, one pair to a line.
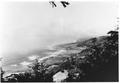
[27,26]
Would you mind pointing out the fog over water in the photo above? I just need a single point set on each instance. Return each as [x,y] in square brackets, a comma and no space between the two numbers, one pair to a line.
[31,26]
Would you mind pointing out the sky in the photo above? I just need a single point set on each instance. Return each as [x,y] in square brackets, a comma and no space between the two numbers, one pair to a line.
[28,26]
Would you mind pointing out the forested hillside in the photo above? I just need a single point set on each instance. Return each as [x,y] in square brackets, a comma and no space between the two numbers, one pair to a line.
[92,60]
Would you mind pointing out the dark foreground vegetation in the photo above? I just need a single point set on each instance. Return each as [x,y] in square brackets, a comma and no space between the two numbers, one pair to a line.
[97,63]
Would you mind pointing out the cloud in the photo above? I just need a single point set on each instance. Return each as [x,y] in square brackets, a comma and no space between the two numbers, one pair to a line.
[25,63]
[14,65]
[53,54]
[38,29]
[33,57]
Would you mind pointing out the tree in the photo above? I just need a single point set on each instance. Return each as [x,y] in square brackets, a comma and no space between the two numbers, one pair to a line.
[39,70]
[2,73]
[113,35]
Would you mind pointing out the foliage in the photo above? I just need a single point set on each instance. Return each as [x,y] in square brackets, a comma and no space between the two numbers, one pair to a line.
[36,74]
[99,57]
[2,72]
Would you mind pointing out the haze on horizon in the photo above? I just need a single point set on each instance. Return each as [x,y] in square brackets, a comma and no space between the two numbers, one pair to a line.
[28,26]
